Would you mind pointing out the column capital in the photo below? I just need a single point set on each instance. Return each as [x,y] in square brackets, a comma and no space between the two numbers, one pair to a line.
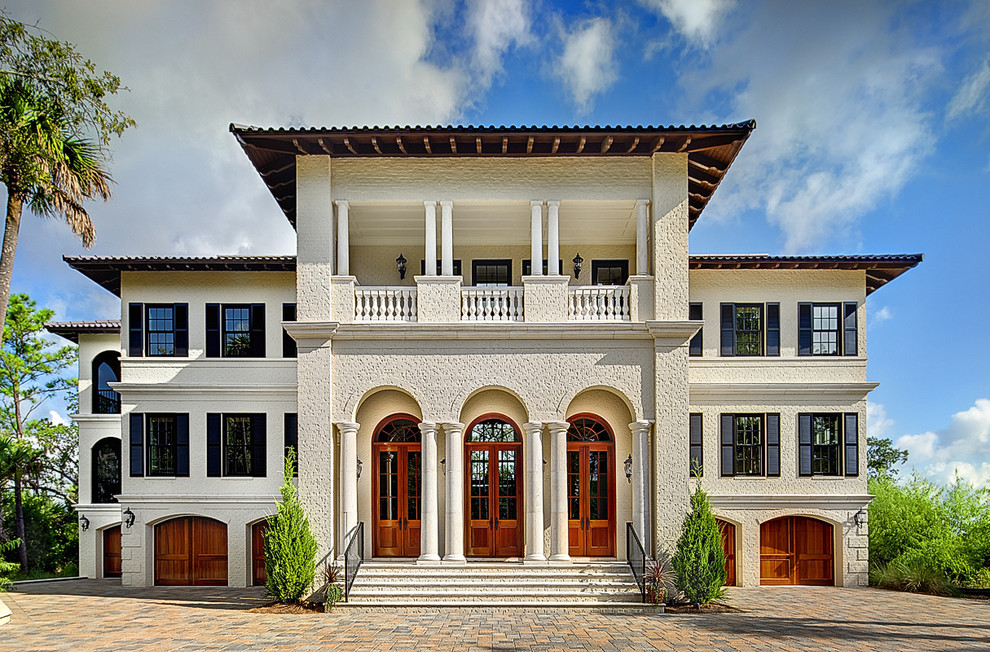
[532,426]
[427,427]
[430,203]
[557,427]
[553,202]
[536,202]
[446,203]
[347,426]
[341,203]
[449,426]
[642,426]
[642,202]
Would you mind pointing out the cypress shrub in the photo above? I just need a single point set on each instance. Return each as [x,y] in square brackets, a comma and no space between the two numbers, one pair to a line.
[699,561]
[290,549]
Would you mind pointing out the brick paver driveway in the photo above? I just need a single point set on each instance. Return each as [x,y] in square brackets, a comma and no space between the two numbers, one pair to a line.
[91,614]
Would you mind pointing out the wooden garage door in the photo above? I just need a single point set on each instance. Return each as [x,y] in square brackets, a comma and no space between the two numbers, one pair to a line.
[258,572]
[728,531]
[191,551]
[796,550]
[111,552]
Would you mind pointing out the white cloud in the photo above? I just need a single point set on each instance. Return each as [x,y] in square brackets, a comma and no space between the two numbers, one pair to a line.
[696,20]
[962,447]
[587,64]
[878,424]
[880,315]
[57,418]
[972,94]
[495,26]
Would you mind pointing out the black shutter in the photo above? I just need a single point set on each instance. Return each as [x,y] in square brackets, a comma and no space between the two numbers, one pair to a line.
[728,329]
[259,459]
[180,321]
[214,449]
[182,445]
[852,444]
[804,329]
[135,319]
[696,448]
[292,440]
[849,336]
[137,445]
[288,344]
[257,325]
[773,445]
[213,330]
[728,450]
[695,314]
[773,329]
[804,444]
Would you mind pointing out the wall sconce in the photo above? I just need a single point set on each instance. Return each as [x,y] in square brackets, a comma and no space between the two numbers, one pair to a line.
[400,262]
[578,262]
[544,462]
[443,465]
[128,517]
[360,467]
[859,517]
[84,523]
[627,465]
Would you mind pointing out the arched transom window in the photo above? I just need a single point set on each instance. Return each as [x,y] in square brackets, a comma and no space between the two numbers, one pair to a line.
[493,430]
[399,430]
[585,429]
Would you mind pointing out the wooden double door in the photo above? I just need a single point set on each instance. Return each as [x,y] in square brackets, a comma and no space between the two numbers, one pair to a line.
[796,550]
[191,551]
[398,482]
[590,499]
[494,487]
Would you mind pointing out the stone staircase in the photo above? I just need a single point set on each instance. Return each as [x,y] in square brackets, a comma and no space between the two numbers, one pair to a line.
[601,584]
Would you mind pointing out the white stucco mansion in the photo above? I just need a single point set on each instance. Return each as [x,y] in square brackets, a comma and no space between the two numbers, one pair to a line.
[492,344]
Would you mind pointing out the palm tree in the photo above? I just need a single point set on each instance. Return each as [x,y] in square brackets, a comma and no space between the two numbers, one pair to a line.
[44,166]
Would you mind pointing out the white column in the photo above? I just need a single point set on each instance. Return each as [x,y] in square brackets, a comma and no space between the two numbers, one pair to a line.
[429,515]
[553,239]
[642,239]
[454,548]
[533,446]
[446,238]
[348,481]
[536,238]
[431,238]
[641,481]
[558,490]
[343,243]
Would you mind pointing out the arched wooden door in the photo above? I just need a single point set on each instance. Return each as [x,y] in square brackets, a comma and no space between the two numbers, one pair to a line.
[796,550]
[191,551]
[111,552]
[494,467]
[259,574]
[728,531]
[397,484]
[590,488]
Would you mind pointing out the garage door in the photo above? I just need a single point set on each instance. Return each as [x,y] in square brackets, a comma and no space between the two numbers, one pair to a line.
[191,551]
[796,550]
[111,552]
[728,531]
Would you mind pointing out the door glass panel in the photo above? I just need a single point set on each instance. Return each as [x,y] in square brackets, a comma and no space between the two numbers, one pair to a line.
[413,471]
[599,485]
[573,485]
[507,485]
[388,485]
[479,485]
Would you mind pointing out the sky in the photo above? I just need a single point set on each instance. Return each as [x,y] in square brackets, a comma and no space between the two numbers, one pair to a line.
[873,137]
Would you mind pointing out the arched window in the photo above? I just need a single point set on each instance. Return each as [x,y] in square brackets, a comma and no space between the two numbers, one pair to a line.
[106,370]
[398,430]
[493,430]
[585,429]
[106,470]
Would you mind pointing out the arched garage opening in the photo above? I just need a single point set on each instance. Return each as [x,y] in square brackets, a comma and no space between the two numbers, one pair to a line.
[796,550]
[728,531]
[191,551]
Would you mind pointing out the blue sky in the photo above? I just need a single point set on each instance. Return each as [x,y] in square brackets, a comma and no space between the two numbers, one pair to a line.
[873,137]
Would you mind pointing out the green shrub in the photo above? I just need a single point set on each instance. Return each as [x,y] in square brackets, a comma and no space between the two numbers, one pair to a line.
[290,549]
[8,568]
[914,576]
[699,562]
[980,580]
[50,530]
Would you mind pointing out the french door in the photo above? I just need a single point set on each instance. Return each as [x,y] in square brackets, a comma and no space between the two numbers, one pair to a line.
[590,499]
[494,499]
[397,490]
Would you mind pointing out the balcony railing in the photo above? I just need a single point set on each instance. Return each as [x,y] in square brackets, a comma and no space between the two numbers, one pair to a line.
[385,304]
[107,402]
[598,303]
[492,304]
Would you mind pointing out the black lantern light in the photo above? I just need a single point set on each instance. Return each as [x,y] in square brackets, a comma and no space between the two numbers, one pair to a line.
[84,523]
[578,262]
[360,467]
[859,517]
[128,517]
[400,262]
[627,465]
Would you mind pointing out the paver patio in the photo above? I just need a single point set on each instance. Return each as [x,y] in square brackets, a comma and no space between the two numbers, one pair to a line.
[100,614]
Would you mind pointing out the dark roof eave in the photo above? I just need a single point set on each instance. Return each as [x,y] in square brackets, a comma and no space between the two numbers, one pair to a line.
[71,330]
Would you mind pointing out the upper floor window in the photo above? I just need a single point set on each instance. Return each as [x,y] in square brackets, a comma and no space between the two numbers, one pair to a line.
[527,266]
[159,444]
[288,344]
[106,370]
[750,444]
[827,328]
[828,444]
[159,329]
[106,470]
[491,273]
[236,445]
[695,313]
[456,265]
[750,329]
[235,330]
[609,272]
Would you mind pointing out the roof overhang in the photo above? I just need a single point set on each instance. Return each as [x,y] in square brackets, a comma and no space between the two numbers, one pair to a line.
[710,149]
[71,330]
[880,270]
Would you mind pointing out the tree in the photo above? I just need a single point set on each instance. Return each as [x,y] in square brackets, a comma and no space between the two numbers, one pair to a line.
[882,458]
[700,561]
[30,373]
[55,128]
[290,549]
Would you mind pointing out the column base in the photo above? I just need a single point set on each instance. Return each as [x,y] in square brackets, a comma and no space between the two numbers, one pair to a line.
[534,560]
[454,560]
[428,560]
[561,558]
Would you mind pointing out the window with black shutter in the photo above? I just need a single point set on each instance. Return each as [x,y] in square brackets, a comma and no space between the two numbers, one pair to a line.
[827,443]
[137,445]
[291,435]
[158,329]
[235,330]
[695,313]
[827,329]
[167,444]
[696,455]
[214,448]
[743,332]
[850,333]
[750,444]
[288,344]
[852,444]
[244,445]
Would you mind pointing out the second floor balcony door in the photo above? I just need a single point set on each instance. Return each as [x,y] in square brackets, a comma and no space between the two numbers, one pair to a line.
[398,468]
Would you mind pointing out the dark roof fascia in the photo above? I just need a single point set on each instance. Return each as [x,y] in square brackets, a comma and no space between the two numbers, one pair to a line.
[711,149]
[71,330]
[106,270]
[880,269]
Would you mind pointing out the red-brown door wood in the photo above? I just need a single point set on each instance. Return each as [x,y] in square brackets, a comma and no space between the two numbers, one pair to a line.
[796,550]
[191,550]
[494,499]
[728,531]
[259,574]
[111,552]
[398,507]
[591,499]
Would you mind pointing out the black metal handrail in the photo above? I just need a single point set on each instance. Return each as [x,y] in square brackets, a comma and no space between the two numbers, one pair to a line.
[636,556]
[353,558]
[107,401]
